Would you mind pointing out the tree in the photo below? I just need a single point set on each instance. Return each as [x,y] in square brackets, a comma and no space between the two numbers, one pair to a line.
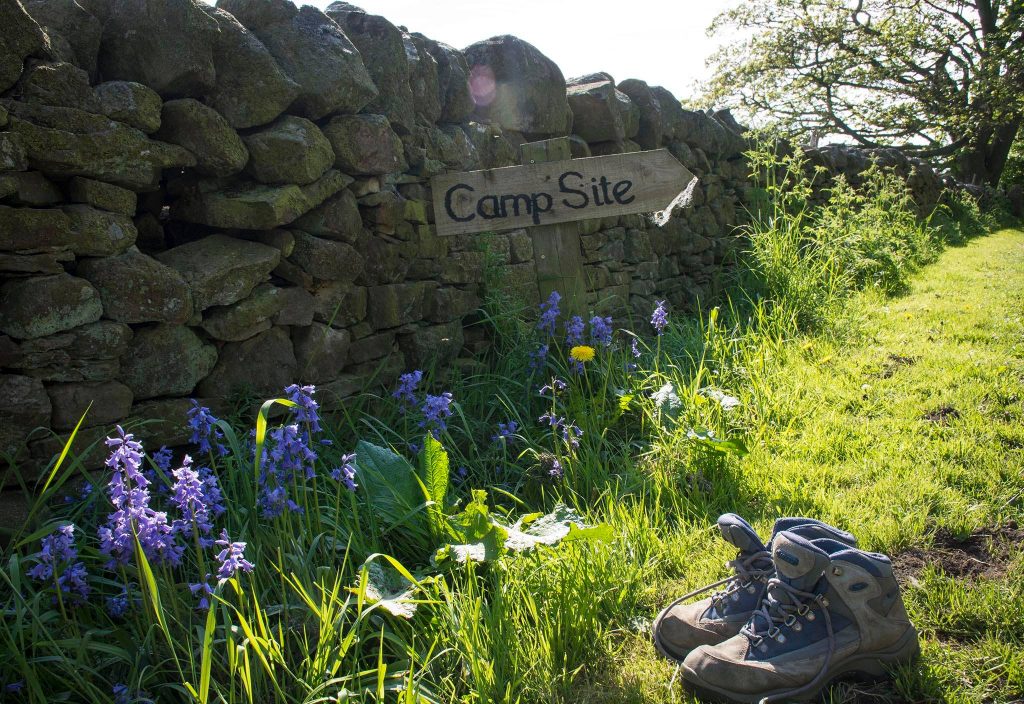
[940,79]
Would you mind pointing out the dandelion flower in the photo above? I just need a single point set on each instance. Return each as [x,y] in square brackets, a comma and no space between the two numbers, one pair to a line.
[582,353]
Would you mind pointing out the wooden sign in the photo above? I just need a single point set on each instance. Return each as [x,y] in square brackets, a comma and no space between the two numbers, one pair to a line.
[557,191]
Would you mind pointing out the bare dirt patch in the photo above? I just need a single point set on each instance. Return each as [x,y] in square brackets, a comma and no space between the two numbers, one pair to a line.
[985,553]
[942,415]
[893,363]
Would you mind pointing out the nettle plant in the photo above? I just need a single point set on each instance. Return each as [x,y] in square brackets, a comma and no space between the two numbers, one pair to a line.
[287,564]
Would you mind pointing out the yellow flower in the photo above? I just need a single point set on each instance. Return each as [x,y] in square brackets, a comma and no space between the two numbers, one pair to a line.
[582,353]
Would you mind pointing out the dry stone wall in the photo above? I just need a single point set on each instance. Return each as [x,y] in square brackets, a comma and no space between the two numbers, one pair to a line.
[197,201]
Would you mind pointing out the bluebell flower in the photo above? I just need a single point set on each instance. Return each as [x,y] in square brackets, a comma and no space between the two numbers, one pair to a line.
[556,471]
[659,319]
[205,433]
[406,390]
[436,411]
[189,495]
[538,357]
[549,313]
[162,458]
[346,473]
[57,557]
[129,493]
[204,590]
[569,431]
[14,687]
[306,409]
[118,606]
[506,432]
[121,694]
[554,388]
[574,331]
[601,330]
[232,557]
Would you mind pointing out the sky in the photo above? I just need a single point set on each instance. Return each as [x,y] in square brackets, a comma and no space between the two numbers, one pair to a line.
[662,42]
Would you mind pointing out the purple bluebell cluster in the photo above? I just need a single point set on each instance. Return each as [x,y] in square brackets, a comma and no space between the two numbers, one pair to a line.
[601,330]
[287,455]
[121,694]
[659,318]
[232,557]
[119,605]
[569,431]
[538,357]
[406,390]
[574,327]
[196,493]
[506,432]
[436,412]
[346,473]
[306,410]
[205,433]
[203,590]
[554,388]
[556,471]
[549,313]
[129,493]
[58,558]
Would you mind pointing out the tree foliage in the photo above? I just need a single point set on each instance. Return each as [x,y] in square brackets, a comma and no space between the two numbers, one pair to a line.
[939,78]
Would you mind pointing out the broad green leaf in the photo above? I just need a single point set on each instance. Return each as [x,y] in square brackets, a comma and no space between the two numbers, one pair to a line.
[390,482]
[390,591]
[434,470]
[561,524]
[708,439]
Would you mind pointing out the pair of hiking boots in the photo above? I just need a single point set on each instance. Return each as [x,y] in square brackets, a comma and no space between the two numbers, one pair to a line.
[797,613]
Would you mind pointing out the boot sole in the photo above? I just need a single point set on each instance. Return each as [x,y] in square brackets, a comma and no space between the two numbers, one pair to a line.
[870,667]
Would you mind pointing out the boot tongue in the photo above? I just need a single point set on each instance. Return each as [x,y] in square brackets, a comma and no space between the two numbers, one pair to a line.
[738,532]
[797,562]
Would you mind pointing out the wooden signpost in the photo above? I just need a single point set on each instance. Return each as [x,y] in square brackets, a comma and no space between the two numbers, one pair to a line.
[548,194]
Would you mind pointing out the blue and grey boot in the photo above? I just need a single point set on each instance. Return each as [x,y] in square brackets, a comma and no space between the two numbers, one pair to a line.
[681,627]
[831,611]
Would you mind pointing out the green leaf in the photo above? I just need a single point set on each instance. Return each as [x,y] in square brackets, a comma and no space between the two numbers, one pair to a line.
[708,439]
[390,590]
[390,483]
[434,470]
[561,524]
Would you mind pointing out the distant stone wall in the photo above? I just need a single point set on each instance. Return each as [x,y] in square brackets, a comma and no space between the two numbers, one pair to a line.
[200,201]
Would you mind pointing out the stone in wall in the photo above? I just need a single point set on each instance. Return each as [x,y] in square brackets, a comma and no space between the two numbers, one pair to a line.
[650,125]
[246,318]
[249,89]
[518,88]
[600,112]
[261,365]
[321,352]
[87,353]
[292,150]
[313,51]
[365,145]
[74,33]
[45,305]
[253,206]
[133,104]
[204,132]
[136,288]
[24,406]
[166,360]
[164,44]
[382,48]
[22,37]
[221,270]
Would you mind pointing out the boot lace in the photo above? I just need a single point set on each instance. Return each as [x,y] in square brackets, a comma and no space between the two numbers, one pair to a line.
[746,570]
[783,607]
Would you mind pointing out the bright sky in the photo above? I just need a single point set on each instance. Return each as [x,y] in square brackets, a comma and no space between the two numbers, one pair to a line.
[662,42]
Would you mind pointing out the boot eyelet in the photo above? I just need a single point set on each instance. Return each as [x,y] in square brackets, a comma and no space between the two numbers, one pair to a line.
[781,638]
[802,610]
[837,571]
[824,602]
[763,648]
[751,589]
[773,631]
[810,615]
[797,626]
[790,620]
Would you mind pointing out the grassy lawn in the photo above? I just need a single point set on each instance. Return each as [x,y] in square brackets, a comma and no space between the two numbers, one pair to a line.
[908,431]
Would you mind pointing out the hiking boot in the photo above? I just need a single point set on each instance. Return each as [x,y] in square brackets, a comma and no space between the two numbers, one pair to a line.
[832,610]
[680,627]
